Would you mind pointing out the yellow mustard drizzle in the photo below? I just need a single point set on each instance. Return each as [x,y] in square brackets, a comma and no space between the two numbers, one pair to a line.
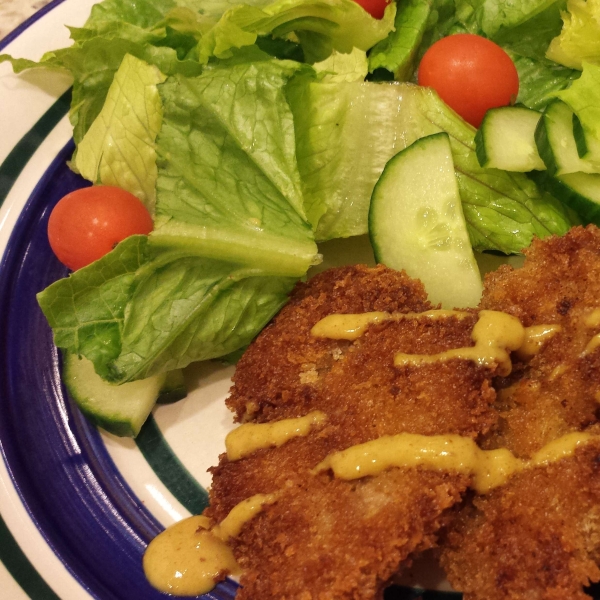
[592,345]
[448,453]
[352,326]
[495,334]
[593,319]
[557,372]
[190,557]
[562,447]
[240,514]
[535,337]
[187,559]
[250,437]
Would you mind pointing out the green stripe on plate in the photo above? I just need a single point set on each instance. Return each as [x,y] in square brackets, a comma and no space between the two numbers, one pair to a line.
[20,155]
[11,555]
[22,571]
[168,468]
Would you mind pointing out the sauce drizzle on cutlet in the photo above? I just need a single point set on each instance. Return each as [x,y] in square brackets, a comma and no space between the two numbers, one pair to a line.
[535,337]
[191,556]
[451,453]
[250,437]
[351,326]
[495,334]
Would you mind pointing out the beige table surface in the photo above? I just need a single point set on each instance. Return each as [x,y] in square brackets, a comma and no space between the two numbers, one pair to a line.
[14,12]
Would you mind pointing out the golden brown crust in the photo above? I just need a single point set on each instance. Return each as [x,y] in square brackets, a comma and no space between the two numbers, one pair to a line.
[337,539]
[326,538]
[269,377]
[555,392]
[538,537]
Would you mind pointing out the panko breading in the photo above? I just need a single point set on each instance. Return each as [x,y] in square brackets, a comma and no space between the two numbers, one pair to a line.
[556,391]
[327,538]
[538,537]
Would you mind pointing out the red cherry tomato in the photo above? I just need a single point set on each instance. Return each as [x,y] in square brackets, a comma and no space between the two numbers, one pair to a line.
[375,8]
[471,74]
[88,223]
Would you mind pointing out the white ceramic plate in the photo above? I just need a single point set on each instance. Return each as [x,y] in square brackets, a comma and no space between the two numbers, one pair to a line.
[78,507]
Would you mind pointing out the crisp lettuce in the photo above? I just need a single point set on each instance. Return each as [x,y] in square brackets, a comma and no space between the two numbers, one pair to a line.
[343,67]
[579,39]
[335,122]
[495,16]
[228,180]
[136,312]
[118,149]
[523,29]
[324,24]
[230,238]
[539,79]
[86,310]
[115,28]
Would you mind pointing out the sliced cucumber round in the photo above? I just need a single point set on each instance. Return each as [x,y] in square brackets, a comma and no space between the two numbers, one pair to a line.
[173,389]
[556,143]
[416,223]
[580,191]
[505,139]
[119,409]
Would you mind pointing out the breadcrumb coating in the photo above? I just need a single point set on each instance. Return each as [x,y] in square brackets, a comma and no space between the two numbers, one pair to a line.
[538,537]
[326,538]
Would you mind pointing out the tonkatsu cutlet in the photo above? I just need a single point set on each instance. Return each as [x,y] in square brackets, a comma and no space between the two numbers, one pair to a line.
[538,537]
[324,537]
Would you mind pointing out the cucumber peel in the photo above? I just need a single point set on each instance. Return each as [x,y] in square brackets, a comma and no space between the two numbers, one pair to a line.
[118,409]
[416,223]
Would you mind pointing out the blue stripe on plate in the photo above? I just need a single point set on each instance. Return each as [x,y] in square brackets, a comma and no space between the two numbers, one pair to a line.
[15,33]
[60,466]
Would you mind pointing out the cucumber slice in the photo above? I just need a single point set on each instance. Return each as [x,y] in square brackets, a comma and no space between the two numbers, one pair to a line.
[580,191]
[119,409]
[416,223]
[588,146]
[173,389]
[505,140]
[556,142]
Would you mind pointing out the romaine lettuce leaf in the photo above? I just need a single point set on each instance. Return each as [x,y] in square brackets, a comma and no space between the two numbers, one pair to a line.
[228,180]
[523,29]
[115,28]
[86,310]
[230,238]
[526,44]
[343,67]
[193,308]
[135,312]
[579,39]
[338,24]
[336,121]
[539,78]
[118,149]
[494,16]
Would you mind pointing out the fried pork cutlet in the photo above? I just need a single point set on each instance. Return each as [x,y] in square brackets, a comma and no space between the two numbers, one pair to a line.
[327,538]
[538,537]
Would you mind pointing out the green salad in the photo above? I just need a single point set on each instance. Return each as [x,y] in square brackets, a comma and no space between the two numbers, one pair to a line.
[254,130]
